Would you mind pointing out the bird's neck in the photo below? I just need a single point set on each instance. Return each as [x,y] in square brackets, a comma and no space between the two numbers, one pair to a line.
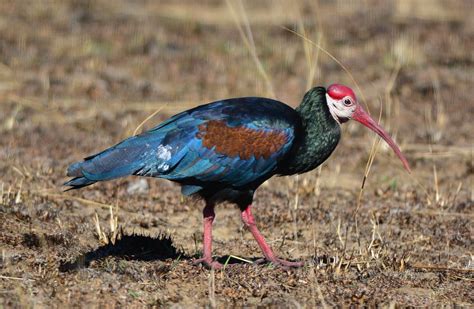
[318,135]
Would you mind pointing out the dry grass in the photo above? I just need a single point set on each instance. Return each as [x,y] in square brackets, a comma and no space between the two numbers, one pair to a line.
[92,72]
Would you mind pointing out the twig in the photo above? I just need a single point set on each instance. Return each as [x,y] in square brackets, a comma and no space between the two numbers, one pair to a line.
[249,43]
[436,268]
[335,60]
[15,278]
[370,161]
[79,199]
[439,213]
[237,258]
[148,118]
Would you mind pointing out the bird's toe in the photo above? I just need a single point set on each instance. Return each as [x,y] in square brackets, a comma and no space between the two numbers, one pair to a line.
[288,264]
[280,263]
[208,263]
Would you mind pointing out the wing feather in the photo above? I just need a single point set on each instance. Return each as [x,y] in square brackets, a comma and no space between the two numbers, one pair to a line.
[229,158]
[235,142]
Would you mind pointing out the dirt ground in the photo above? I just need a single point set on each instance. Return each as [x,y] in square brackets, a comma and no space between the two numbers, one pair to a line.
[78,76]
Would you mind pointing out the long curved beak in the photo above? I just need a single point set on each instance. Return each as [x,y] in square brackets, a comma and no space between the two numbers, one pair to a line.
[361,116]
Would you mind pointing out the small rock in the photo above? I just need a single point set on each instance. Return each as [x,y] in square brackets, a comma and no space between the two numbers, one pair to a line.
[138,187]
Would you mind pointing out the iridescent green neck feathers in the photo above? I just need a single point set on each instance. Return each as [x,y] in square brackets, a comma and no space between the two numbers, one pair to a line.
[318,136]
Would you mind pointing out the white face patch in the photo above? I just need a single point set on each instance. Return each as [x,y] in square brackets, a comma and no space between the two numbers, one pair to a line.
[339,110]
[164,152]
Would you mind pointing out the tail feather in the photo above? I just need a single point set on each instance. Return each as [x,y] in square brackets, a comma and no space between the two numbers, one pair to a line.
[74,170]
[123,159]
[137,155]
[77,183]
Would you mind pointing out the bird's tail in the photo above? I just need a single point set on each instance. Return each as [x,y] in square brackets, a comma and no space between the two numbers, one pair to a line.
[79,180]
[123,159]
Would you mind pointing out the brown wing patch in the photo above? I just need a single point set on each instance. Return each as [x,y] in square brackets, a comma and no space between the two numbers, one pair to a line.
[240,141]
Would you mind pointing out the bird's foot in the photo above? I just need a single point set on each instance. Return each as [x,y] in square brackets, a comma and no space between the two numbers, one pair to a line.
[280,262]
[208,263]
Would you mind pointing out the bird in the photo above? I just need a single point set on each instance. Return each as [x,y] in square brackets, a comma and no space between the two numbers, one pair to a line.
[224,150]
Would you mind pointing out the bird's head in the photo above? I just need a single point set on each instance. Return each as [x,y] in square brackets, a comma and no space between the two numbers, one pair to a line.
[344,106]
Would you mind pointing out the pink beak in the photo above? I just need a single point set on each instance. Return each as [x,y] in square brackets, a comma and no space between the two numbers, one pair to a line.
[361,116]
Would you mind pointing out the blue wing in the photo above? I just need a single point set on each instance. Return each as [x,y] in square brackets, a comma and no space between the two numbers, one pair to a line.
[235,143]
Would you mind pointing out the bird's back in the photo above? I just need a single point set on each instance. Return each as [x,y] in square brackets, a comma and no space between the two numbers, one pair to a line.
[235,143]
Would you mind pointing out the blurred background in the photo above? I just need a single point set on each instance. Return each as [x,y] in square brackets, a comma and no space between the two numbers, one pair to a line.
[78,76]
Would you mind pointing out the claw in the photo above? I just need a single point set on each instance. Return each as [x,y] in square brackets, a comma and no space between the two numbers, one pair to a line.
[280,263]
[208,263]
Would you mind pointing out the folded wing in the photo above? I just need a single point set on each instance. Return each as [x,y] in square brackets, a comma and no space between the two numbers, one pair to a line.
[235,143]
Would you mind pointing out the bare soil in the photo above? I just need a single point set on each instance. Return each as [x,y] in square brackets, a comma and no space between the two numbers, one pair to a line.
[78,76]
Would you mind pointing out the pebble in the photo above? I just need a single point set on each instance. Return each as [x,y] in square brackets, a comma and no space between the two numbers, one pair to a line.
[138,187]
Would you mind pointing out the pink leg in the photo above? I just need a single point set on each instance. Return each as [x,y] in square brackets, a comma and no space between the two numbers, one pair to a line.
[208,217]
[249,221]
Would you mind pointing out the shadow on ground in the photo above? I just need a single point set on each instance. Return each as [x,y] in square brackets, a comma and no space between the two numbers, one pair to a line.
[129,247]
[142,248]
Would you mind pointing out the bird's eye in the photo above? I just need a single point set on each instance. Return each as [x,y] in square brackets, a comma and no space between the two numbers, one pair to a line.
[347,102]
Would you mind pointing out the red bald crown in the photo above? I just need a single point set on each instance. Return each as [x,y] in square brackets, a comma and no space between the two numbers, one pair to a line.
[337,92]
